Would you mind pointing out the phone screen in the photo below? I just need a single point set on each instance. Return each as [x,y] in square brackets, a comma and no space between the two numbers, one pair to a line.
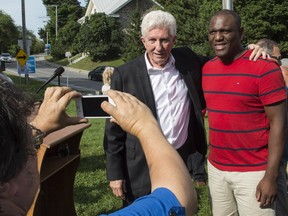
[91,107]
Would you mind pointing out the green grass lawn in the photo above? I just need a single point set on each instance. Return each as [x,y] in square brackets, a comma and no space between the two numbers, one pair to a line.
[91,190]
[87,63]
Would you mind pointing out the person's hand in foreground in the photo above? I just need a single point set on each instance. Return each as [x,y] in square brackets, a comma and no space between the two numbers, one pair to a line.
[52,114]
[166,167]
[130,113]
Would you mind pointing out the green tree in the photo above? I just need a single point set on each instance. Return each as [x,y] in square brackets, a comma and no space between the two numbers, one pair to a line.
[192,17]
[42,34]
[185,13]
[206,11]
[37,45]
[100,36]
[68,12]
[133,46]
[260,19]
[8,34]
[66,40]
[68,36]
[265,19]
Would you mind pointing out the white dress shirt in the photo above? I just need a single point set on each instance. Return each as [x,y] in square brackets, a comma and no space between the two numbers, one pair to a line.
[172,101]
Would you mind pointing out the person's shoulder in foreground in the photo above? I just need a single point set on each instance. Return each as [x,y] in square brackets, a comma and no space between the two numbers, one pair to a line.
[19,177]
[6,78]
[168,194]
[160,202]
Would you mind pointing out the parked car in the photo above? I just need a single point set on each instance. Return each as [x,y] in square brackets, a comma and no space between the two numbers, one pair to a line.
[96,74]
[6,57]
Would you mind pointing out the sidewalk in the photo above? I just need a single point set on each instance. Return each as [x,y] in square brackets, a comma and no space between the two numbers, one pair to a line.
[51,64]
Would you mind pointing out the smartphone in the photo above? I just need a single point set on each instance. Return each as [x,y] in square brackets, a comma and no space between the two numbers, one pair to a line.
[89,106]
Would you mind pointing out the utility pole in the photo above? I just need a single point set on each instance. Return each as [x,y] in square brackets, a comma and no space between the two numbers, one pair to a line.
[24,35]
[227,4]
[46,29]
[47,41]
[56,22]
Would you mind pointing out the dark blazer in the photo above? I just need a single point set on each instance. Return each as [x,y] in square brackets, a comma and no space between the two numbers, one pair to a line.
[124,156]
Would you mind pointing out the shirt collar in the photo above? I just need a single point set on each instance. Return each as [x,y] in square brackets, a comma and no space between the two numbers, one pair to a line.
[150,68]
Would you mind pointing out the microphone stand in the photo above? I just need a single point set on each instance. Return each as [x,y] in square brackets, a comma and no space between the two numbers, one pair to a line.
[57,73]
[59,79]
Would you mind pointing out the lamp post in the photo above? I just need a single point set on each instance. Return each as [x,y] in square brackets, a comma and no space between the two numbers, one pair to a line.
[24,34]
[47,37]
[227,4]
[56,15]
[47,33]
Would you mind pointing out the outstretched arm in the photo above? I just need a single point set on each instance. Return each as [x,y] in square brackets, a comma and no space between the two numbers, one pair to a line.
[166,167]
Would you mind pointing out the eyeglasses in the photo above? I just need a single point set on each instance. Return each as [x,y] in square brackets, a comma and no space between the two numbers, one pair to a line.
[277,58]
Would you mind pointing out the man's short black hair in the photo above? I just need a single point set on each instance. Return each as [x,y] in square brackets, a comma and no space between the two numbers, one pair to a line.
[232,13]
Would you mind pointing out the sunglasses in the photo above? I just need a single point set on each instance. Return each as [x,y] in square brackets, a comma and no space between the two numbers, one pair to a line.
[277,58]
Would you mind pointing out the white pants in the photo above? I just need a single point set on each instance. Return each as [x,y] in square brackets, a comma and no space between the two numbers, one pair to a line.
[234,193]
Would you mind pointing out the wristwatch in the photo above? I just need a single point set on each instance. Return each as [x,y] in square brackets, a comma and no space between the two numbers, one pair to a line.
[38,138]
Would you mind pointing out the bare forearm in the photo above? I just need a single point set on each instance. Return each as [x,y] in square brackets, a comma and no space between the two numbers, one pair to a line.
[275,151]
[276,115]
[167,169]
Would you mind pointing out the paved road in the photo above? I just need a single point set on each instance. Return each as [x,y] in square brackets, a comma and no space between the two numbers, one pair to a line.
[74,78]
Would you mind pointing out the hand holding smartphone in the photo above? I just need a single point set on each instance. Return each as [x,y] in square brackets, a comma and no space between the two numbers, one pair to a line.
[89,106]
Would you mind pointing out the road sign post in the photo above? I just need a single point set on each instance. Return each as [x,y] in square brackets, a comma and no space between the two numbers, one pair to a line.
[68,55]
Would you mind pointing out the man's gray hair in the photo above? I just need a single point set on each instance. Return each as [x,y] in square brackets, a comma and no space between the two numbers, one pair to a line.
[267,45]
[158,19]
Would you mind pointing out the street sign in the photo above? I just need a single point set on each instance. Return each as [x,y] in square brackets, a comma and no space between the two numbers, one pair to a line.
[68,54]
[29,68]
[31,64]
[21,57]
[47,48]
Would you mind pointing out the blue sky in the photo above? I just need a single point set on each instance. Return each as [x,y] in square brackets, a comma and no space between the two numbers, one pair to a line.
[35,12]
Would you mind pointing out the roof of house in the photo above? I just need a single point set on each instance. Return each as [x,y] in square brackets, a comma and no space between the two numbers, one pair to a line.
[109,7]
[105,6]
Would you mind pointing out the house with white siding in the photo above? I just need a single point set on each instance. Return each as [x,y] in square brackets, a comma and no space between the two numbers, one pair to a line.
[120,9]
